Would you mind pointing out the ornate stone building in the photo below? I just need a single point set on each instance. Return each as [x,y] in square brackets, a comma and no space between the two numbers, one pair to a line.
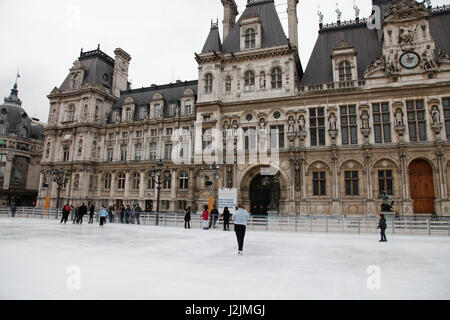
[21,142]
[369,113]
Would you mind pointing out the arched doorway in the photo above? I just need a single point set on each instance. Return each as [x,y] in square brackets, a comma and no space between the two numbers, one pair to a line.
[422,187]
[265,195]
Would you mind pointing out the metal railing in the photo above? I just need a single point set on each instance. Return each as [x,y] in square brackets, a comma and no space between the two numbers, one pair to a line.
[321,224]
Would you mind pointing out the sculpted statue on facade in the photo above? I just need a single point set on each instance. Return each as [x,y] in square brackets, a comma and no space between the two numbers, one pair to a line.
[399,118]
[365,120]
[301,124]
[291,125]
[435,116]
[427,63]
[332,122]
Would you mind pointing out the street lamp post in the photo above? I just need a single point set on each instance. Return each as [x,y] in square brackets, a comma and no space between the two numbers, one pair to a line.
[61,177]
[162,176]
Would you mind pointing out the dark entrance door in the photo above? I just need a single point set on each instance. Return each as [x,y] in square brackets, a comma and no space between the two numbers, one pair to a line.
[422,187]
[264,195]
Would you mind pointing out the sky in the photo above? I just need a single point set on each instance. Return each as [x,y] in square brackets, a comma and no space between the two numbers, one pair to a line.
[43,38]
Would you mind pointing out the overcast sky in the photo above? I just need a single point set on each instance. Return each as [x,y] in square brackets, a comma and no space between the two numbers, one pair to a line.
[43,38]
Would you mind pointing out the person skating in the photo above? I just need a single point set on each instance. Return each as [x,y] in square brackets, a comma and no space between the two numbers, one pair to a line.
[103,214]
[91,213]
[111,214]
[214,217]
[205,217]
[122,213]
[82,212]
[226,219]
[383,226]
[127,214]
[187,217]
[13,210]
[137,214]
[240,218]
[65,213]
[76,215]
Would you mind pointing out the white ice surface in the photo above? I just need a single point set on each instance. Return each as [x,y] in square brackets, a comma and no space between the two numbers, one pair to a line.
[144,262]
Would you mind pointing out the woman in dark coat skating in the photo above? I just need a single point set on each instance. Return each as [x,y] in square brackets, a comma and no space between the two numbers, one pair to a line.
[187,217]
[383,226]
[226,219]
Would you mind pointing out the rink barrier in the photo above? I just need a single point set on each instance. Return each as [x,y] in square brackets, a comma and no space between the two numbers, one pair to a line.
[324,224]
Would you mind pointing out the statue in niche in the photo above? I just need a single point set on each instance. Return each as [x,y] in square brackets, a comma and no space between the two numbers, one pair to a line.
[262,80]
[399,118]
[332,122]
[427,63]
[435,116]
[301,124]
[291,125]
[365,120]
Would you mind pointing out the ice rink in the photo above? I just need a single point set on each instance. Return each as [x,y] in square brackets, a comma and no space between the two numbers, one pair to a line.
[42,259]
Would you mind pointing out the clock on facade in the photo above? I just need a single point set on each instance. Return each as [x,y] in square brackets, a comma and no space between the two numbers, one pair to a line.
[410,60]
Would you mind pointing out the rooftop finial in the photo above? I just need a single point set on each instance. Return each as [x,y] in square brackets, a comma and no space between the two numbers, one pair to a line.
[339,12]
[355,7]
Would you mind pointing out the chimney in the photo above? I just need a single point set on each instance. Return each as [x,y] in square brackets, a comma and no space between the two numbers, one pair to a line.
[293,22]
[230,13]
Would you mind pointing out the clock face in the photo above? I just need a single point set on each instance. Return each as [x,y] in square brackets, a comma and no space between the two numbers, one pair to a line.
[410,60]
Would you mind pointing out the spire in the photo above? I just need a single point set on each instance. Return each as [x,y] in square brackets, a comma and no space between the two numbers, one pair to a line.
[13,97]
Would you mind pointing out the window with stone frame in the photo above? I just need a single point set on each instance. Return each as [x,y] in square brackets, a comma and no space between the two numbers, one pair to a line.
[277,78]
[208,83]
[153,150]
[277,136]
[157,110]
[110,155]
[250,138]
[136,181]
[165,205]
[250,38]
[319,183]
[207,138]
[66,153]
[317,126]
[91,186]
[416,120]
[382,122]
[249,80]
[349,125]
[167,184]
[141,113]
[128,114]
[151,182]
[172,109]
[70,114]
[121,181]
[184,181]
[351,183]
[187,107]
[123,153]
[153,132]
[138,152]
[168,151]
[345,71]
[446,105]
[107,182]
[386,181]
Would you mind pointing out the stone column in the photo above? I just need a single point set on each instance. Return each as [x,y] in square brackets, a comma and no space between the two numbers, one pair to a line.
[127,185]
[113,185]
[142,187]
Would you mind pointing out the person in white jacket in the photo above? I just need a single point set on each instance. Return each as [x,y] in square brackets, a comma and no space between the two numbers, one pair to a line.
[240,218]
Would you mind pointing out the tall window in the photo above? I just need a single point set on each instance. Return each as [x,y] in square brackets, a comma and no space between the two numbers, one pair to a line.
[151,182]
[108,179]
[416,120]
[250,138]
[184,181]
[250,38]
[351,183]
[207,138]
[2,169]
[349,125]
[141,113]
[319,183]
[277,78]
[128,114]
[382,122]
[110,155]
[138,152]
[249,77]
[136,181]
[70,113]
[277,136]
[66,154]
[153,150]
[188,107]
[172,110]
[208,83]
[121,181]
[385,181]
[123,153]
[168,151]
[167,185]
[317,126]
[345,71]
[157,110]
[446,105]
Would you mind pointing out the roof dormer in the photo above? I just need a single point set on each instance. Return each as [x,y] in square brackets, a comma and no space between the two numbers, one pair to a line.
[251,32]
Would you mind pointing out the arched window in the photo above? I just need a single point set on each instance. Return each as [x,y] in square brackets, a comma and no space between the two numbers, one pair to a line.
[345,71]
[184,181]
[121,181]
[249,80]
[108,179]
[228,84]
[250,38]
[70,116]
[136,181]
[208,83]
[23,132]
[277,78]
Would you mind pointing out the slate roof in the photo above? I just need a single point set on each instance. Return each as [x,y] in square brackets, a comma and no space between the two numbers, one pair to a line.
[96,64]
[272,30]
[367,43]
[142,97]
[213,42]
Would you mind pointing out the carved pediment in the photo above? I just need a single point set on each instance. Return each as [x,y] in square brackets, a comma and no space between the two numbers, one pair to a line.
[406,10]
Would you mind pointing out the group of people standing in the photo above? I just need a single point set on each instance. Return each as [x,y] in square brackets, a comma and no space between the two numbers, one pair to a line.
[127,214]
[79,213]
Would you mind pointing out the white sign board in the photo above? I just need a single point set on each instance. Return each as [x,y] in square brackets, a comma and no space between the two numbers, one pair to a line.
[227,198]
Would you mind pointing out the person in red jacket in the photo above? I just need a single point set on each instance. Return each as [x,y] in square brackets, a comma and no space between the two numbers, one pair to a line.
[205,217]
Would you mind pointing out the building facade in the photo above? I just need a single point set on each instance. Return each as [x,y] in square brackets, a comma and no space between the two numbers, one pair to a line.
[21,144]
[369,113]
